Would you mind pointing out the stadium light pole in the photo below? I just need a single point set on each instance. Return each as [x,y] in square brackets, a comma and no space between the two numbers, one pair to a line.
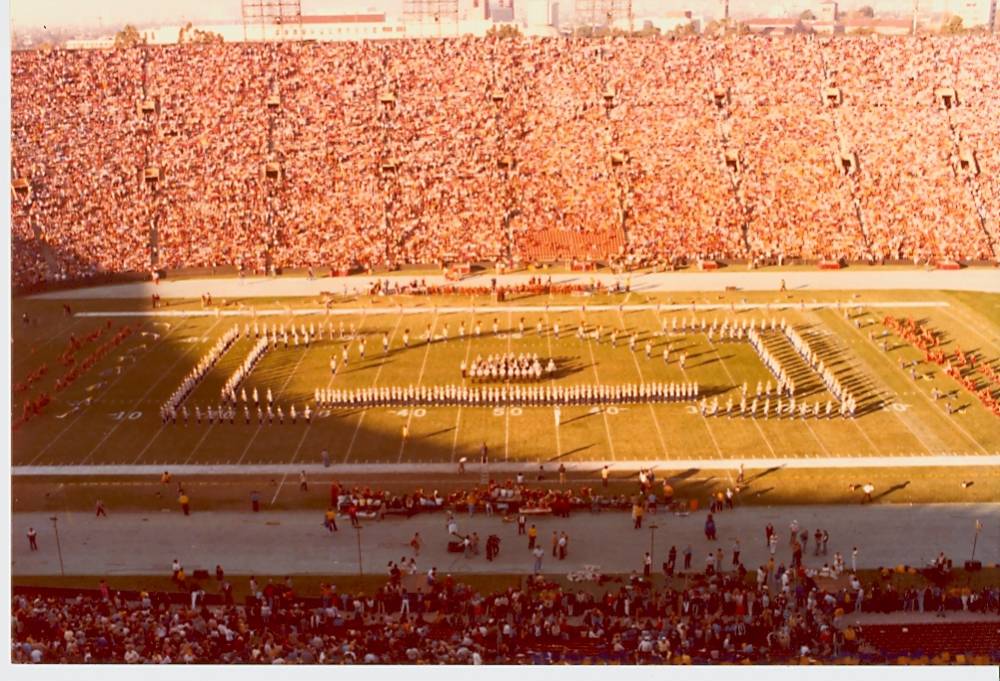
[652,536]
[361,570]
[975,539]
[55,527]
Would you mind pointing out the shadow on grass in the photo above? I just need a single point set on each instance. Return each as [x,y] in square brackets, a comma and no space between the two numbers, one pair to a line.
[684,475]
[760,475]
[571,452]
[894,488]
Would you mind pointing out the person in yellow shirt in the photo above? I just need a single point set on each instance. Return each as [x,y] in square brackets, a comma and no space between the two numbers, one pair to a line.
[637,513]
[185,503]
[532,536]
[330,519]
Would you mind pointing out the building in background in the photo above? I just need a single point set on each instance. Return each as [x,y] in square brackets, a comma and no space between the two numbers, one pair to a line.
[534,17]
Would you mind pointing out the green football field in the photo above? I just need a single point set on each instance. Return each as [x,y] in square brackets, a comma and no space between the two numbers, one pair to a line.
[110,413]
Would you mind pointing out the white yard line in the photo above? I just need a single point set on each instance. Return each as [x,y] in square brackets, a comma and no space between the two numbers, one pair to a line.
[854,422]
[704,418]
[893,367]
[53,336]
[652,412]
[281,391]
[905,461]
[159,431]
[420,377]
[298,447]
[506,424]
[552,381]
[378,372]
[72,423]
[966,323]
[760,430]
[458,417]
[604,415]
[413,310]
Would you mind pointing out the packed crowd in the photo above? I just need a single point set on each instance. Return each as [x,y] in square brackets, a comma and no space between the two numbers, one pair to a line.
[340,155]
[716,617]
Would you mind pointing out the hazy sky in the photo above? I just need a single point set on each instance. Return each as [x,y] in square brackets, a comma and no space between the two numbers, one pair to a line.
[114,13]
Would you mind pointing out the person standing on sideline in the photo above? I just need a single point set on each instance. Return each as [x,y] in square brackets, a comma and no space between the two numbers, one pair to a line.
[736,552]
[32,539]
[637,513]
[557,412]
[668,567]
[185,503]
[563,545]
[101,511]
[538,554]
[416,543]
[330,519]
[647,565]
[854,559]
[867,489]
[687,557]
[562,474]
[532,536]
[555,544]
[768,533]
[521,523]
[303,484]
[605,472]
[325,456]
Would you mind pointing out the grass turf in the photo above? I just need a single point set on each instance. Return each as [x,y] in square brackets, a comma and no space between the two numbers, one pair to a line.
[767,487]
[121,423]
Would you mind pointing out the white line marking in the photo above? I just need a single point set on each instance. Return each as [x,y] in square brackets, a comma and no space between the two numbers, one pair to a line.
[607,426]
[506,414]
[159,431]
[378,372]
[927,399]
[420,377]
[642,379]
[991,461]
[281,391]
[458,417]
[413,310]
[108,392]
[552,381]
[760,430]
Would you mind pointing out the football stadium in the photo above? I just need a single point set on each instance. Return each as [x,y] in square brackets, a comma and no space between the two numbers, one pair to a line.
[492,346]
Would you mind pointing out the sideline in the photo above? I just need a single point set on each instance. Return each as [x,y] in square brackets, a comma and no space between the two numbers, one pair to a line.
[444,309]
[858,277]
[374,469]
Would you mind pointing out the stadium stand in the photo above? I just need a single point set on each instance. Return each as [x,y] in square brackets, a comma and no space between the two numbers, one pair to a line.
[650,152]
[714,619]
